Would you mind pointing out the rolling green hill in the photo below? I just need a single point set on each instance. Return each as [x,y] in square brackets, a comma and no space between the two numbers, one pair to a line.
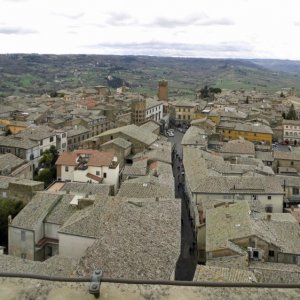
[38,74]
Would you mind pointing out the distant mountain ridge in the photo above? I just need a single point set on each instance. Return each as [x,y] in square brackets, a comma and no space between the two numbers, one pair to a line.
[37,74]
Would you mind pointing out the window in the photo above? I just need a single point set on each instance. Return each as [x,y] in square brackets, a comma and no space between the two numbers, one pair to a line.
[292,163]
[254,197]
[104,175]
[51,139]
[295,191]
[49,251]
[41,152]
[41,142]
[63,135]
[31,156]
[23,235]
[271,253]
[67,168]
[98,173]
[269,197]
[63,145]
[269,208]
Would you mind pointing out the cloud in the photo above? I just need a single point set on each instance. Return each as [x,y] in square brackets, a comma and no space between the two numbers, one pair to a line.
[16,30]
[157,48]
[120,19]
[200,20]
[69,16]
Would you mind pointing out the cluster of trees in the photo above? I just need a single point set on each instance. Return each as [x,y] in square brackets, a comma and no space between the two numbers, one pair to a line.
[291,115]
[11,208]
[207,92]
[47,170]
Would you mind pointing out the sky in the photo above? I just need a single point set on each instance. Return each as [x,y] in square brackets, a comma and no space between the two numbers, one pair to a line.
[186,28]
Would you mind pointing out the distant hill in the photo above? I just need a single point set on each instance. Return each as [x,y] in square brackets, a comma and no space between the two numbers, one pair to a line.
[286,66]
[38,74]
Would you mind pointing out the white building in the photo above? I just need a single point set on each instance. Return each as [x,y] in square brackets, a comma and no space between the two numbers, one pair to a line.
[61,140]
[154,109]
[291,131]
[88,165]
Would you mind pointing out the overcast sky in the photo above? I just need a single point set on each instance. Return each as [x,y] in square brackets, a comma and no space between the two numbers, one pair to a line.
[196,28]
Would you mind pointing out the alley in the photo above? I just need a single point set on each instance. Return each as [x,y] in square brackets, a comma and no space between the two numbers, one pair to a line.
[188,259]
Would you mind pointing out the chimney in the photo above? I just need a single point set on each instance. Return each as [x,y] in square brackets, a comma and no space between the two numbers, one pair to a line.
[269,217]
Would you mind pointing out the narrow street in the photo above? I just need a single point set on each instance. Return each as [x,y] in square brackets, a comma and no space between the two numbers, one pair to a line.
[187,262]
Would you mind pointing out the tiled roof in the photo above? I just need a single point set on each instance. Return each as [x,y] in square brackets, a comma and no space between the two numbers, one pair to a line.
[146,189]
[54,266]
[67,159]
[275,232]
[138,168]
[291,122]
[77,131]
[86,188]
[17,142]
[94,177]
[34,213]
[227,223]
[4,181]
[10,161]
[152,103]
[119,142]
[150,126]
[264,155]
[289,180]
[135,132]
[286,155]
[249,127]
[194,136]
[239,146]
[95,158]
[144,234]
[218,274]
[37,133]
[62,210]
[241,185]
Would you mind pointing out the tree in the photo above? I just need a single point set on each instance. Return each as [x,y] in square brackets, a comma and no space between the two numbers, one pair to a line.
[46,176]
[291,115]
[7,207]
[282,95]
[49,157]
[204,92]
